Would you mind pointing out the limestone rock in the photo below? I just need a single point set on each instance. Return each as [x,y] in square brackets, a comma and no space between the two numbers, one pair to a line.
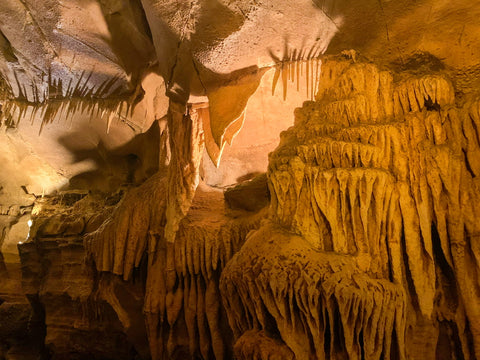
[77,303]
[374,172]
[256,345]
[360,242]
[318,303]
[251,195]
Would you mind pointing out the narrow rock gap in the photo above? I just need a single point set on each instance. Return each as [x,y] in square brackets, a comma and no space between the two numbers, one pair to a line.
[430,105]
[327,335]
[408,274]
[467,164]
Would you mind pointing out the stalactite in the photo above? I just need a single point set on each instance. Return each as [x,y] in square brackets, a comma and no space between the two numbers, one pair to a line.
[370,249]
[321,304]
[298,71]
[226,107]
[64,102]
[377,169]
[187,144]
[119,244]
[182,285]
[185,258]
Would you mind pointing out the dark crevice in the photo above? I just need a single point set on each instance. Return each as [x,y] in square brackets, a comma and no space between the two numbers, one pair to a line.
[37,326]
[476,131]
[144,20]
[6,49]
[139,274]
[339,336]
[270,326]
[408,274]
[445,275]
[394,347]
[448,343]
[328,336]
[470,342]
[430,105]
[362,346]
[390,258]
[467,164]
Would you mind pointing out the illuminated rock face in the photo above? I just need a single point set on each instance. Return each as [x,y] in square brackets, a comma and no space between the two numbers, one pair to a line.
[366,248]
[377,181]
[359,242]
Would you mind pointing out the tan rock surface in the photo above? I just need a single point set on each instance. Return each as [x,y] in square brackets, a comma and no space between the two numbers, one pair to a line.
[374,172]
[369,247]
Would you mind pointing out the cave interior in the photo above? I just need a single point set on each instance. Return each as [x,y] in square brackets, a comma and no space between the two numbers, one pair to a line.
[246,179]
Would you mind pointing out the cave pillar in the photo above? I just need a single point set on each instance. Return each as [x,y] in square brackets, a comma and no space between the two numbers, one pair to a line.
[187,145]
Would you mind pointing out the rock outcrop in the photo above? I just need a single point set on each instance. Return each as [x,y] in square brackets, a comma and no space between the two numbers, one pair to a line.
[359,243]
[183,314]
[378,182]
[123,235]
[86,314]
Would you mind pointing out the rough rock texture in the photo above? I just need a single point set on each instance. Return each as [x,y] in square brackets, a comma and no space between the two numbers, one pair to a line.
[320,305]
[184,316]
[369,249]
[86,314]
[256,345]
[187,144]
[97,58]
[378,179]
[250,195]
[67,43]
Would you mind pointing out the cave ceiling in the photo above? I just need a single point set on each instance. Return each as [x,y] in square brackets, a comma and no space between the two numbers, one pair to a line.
[96,61]
[264,179]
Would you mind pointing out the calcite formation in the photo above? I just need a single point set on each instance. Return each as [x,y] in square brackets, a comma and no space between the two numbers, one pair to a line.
[183,314]
[320,305]
[377,180]
[363,245]
[139,218]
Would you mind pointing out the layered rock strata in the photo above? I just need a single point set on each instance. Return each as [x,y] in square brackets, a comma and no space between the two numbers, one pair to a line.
[86,314]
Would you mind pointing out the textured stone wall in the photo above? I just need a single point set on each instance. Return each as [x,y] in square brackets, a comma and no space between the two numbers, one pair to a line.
[370,251]
[359,243]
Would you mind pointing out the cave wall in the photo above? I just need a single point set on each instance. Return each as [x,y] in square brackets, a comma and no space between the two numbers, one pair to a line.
[121,238]
[366,248]
[376,184]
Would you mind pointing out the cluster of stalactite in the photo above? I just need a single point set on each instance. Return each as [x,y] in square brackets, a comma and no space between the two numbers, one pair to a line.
[382,170]
[183,308]
[319,304]
[187,239]
[110,110]
[369,248]
[119,245]
[183,311]
[61,101]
